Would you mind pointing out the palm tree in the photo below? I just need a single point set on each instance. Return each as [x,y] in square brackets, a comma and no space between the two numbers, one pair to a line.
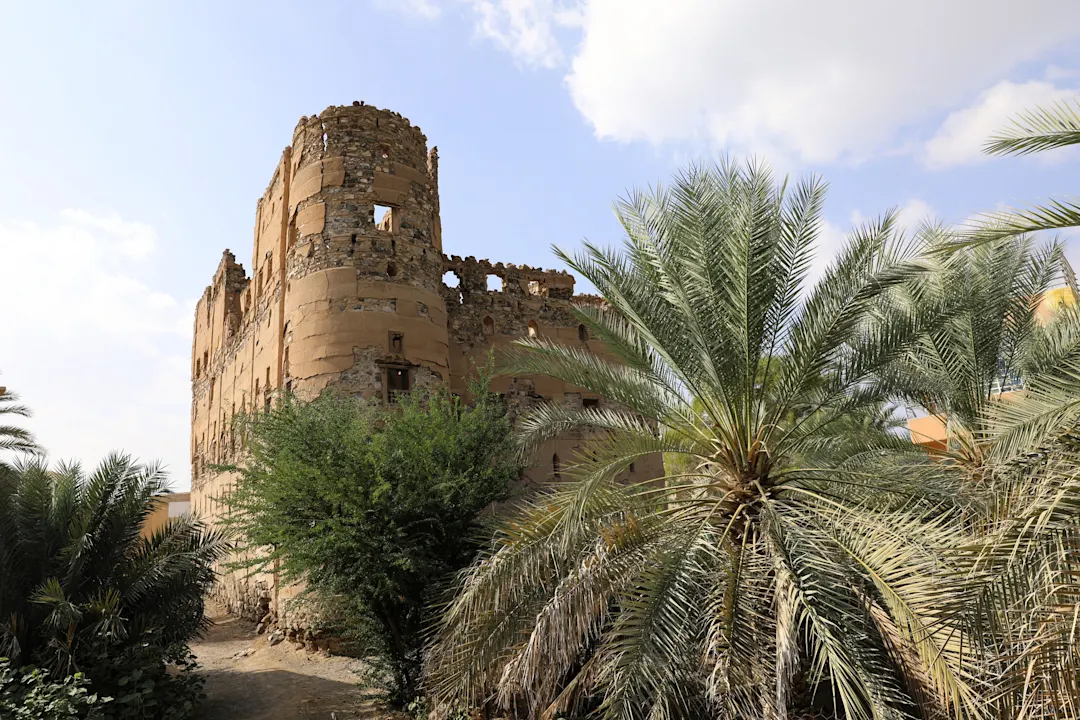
[1008,455]
[12,437]
[780,567]
[78,580]
[990,337]
[1025,556]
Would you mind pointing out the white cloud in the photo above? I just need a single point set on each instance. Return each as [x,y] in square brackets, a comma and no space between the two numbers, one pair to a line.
[834,80]
[961,137]
[525,28]
[99,355]
[914,213]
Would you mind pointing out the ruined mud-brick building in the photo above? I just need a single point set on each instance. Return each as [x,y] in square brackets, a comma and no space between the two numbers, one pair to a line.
[347,289]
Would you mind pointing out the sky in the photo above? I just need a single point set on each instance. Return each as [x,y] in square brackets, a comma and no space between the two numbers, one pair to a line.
[135,139]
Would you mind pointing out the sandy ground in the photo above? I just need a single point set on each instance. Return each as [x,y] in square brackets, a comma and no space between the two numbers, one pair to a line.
[274,683]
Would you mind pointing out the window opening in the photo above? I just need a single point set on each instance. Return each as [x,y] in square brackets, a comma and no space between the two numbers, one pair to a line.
[582,333]
[397,382]
[383,215]
[532,328]
[489,325]
[494,283]
[451,280]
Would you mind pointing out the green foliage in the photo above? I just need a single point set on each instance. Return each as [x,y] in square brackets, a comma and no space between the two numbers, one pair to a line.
[148,681]
[30,693]
[793,560]
[1038,129]
[12,437]
[987,338]
[84,592]
[373,507]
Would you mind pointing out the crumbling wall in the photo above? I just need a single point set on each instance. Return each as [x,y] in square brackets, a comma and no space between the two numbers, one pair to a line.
[237,355]
[531,302]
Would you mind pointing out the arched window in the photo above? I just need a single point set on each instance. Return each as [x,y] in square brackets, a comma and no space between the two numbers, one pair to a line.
[532,328]
[555,467]
[582,333]
[489,325]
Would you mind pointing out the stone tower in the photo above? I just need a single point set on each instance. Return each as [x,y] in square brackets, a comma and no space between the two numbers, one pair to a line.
[346,290]
[363,256]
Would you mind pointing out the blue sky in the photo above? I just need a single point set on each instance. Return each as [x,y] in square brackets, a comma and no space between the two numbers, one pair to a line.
[136,138]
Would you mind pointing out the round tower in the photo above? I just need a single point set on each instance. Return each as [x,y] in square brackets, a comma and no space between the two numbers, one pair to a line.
[363,256]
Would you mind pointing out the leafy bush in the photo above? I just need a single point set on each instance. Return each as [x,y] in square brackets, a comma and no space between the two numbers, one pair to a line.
[148,681]
[30,693]
[84,592]
[374,507]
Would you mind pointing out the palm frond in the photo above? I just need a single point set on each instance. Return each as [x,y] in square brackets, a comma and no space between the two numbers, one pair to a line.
[1042,128]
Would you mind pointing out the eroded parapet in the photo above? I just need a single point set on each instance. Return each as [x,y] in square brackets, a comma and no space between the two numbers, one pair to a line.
[363,182]
[218,313]
[521,281]
[494,302]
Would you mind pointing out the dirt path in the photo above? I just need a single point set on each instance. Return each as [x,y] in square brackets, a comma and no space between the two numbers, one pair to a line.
[246,679]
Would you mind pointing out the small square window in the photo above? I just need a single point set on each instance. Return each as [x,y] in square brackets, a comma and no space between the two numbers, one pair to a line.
[397,343]
[383,216]
[590,402]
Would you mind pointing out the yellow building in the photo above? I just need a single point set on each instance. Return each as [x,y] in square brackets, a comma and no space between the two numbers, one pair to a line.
[931,431]
[166,506]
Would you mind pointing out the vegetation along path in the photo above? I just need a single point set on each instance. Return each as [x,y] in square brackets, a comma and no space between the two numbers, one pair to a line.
[247,679]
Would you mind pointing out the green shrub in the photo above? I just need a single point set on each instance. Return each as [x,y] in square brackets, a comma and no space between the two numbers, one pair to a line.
[30,693]
[374,508]
[84,592]
[148,681]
